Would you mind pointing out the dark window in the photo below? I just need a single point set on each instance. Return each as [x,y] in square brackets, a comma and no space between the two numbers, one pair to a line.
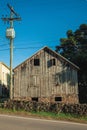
[51,63]
[36,62]
[58,99]
[35,99]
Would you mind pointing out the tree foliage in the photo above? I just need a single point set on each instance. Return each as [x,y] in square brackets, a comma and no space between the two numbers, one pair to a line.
[74,48]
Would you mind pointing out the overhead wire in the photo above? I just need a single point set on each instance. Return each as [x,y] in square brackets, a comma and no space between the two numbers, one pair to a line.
[3,45]
[24,48]
[27,47]
[4,49]
[4,3]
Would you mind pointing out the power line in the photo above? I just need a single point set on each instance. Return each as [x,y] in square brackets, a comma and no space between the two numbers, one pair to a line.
[3,45]
[37,42]
[30,47]
[4,49]
[25,48]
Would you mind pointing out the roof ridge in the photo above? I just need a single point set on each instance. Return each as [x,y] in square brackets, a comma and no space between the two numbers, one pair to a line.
[53,52]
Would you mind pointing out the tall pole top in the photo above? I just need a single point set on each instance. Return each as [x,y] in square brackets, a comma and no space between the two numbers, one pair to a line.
[11,21]
[12,18]
[12,10]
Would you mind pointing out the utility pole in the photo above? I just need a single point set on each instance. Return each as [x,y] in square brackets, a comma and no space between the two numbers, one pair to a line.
[10,33]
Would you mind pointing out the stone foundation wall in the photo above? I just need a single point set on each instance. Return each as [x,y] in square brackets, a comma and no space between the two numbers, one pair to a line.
[76,109]
[71,99]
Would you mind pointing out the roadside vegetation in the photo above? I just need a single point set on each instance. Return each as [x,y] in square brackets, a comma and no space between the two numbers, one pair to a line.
[55,111]
[45,115]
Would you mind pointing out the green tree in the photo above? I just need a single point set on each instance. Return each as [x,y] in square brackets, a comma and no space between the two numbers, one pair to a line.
[74,48]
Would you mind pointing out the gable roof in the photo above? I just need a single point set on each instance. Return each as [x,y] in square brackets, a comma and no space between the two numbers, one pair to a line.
[63,58]
[5,65]
[57,54]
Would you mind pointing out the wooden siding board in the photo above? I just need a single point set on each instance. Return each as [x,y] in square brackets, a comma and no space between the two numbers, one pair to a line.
[39,81]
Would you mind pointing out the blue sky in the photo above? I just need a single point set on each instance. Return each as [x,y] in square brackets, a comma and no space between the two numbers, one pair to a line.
[43,23]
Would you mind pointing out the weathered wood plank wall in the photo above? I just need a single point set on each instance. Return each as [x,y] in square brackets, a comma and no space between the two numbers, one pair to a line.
[52,78]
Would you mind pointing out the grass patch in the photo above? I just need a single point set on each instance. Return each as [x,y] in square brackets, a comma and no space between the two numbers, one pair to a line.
[45,115]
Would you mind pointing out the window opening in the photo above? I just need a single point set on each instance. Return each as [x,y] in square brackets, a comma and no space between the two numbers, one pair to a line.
[51,62]
[36,62]
[35,99]
[58,99]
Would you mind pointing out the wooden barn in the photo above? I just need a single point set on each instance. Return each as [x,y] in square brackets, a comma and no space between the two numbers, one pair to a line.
[46,77]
